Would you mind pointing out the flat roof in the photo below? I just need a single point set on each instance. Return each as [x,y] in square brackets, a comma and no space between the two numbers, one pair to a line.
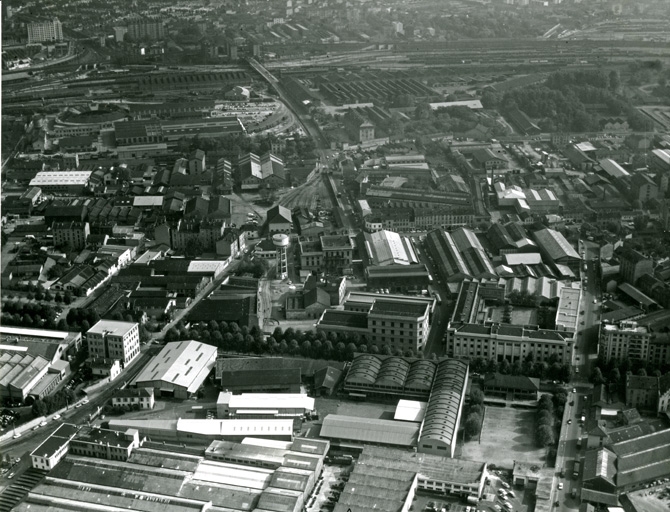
[114,327]
[337,318]
[37,333]
[270,401]
[410,410]
[181,363]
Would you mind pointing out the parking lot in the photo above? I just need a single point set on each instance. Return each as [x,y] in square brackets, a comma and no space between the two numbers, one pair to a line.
[332,481]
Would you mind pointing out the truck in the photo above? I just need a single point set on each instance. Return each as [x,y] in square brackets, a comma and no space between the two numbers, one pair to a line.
[575,470]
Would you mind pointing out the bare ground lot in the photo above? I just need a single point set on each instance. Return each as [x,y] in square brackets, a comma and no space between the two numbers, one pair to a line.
[652,500]
[507,435]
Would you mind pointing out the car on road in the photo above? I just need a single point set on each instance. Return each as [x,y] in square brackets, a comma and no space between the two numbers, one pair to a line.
[574,390]
[560,486]
[56,417]
[595,301]
[505,485]
[570,421]
[36,427]
[43,424]
[84,401]
[11,475]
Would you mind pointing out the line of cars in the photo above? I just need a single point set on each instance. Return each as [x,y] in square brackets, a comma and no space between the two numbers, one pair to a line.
[503,495]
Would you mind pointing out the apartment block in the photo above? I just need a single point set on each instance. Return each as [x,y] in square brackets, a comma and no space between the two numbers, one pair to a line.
[625,339]
[115,340]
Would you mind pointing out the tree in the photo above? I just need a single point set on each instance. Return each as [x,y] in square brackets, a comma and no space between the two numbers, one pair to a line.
[39,408]
[505,367]
[545,435]
[597,377]
[472,426]
[171,335]
[306,348]
[476,396]
[545,418]
[386,350]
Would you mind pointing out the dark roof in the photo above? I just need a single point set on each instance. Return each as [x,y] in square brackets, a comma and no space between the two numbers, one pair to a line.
[327,377]
[337,318]
[390,307]
[512,382]
[234,308]
[251,378]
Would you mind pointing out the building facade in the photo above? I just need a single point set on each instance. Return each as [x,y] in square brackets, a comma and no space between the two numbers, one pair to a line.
[73,234]
[45,31]
[112,339]
[624,340]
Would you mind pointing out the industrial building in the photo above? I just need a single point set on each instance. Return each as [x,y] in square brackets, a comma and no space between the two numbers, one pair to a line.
[557,249]
[459,255]
[263,405]
[383,248]
[625,466]
[62,182]
[34,361]
[114,339]
[256,475]
[195,431]
[385,376]
[178,370]
[352,431]
[386,479]
[439,430]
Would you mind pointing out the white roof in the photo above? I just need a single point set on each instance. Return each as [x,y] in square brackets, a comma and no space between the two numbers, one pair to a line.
[61,178]
[267,443]
[233,474]
[410,410]
[613,169]
[389,248]
[114,327]
[182,363]
[663,154]
[205,266]
[474,104]
[144,201]
[529,258]
[42,333]
[585,146]
[271,401]
[249,428]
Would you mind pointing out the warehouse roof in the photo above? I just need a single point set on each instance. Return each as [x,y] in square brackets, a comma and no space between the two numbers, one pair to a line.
[184,364]
[267,401]
[410,410]
[389,248]
[555,244]
[370,430]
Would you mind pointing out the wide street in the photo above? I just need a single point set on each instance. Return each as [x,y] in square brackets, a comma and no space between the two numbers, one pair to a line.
[586,347]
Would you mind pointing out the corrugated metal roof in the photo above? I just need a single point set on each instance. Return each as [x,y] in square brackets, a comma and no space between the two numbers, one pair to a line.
[370,430]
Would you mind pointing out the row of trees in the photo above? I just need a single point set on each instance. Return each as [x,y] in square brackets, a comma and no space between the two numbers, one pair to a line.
[52,403]
[552,369]
[230,337]
[473,421]
[613,372]
[28,314]
[546,421]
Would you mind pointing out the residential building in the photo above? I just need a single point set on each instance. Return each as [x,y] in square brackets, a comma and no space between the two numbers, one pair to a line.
[643,187]
[625,339]
[105,444]
[338,251]
[45,31]
[143,28]
[359,128]
[142,398]
[113,339]
[102,367]
[279,220]
[648,393]
[633,265]
[73,234]
[48,454]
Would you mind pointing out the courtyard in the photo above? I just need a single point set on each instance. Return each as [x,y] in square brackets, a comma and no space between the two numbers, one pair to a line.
[507,435]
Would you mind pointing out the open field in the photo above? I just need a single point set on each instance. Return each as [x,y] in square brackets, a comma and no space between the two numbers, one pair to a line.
[507,435]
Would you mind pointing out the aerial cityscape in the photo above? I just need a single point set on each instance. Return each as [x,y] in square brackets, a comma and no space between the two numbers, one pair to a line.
[335,255]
